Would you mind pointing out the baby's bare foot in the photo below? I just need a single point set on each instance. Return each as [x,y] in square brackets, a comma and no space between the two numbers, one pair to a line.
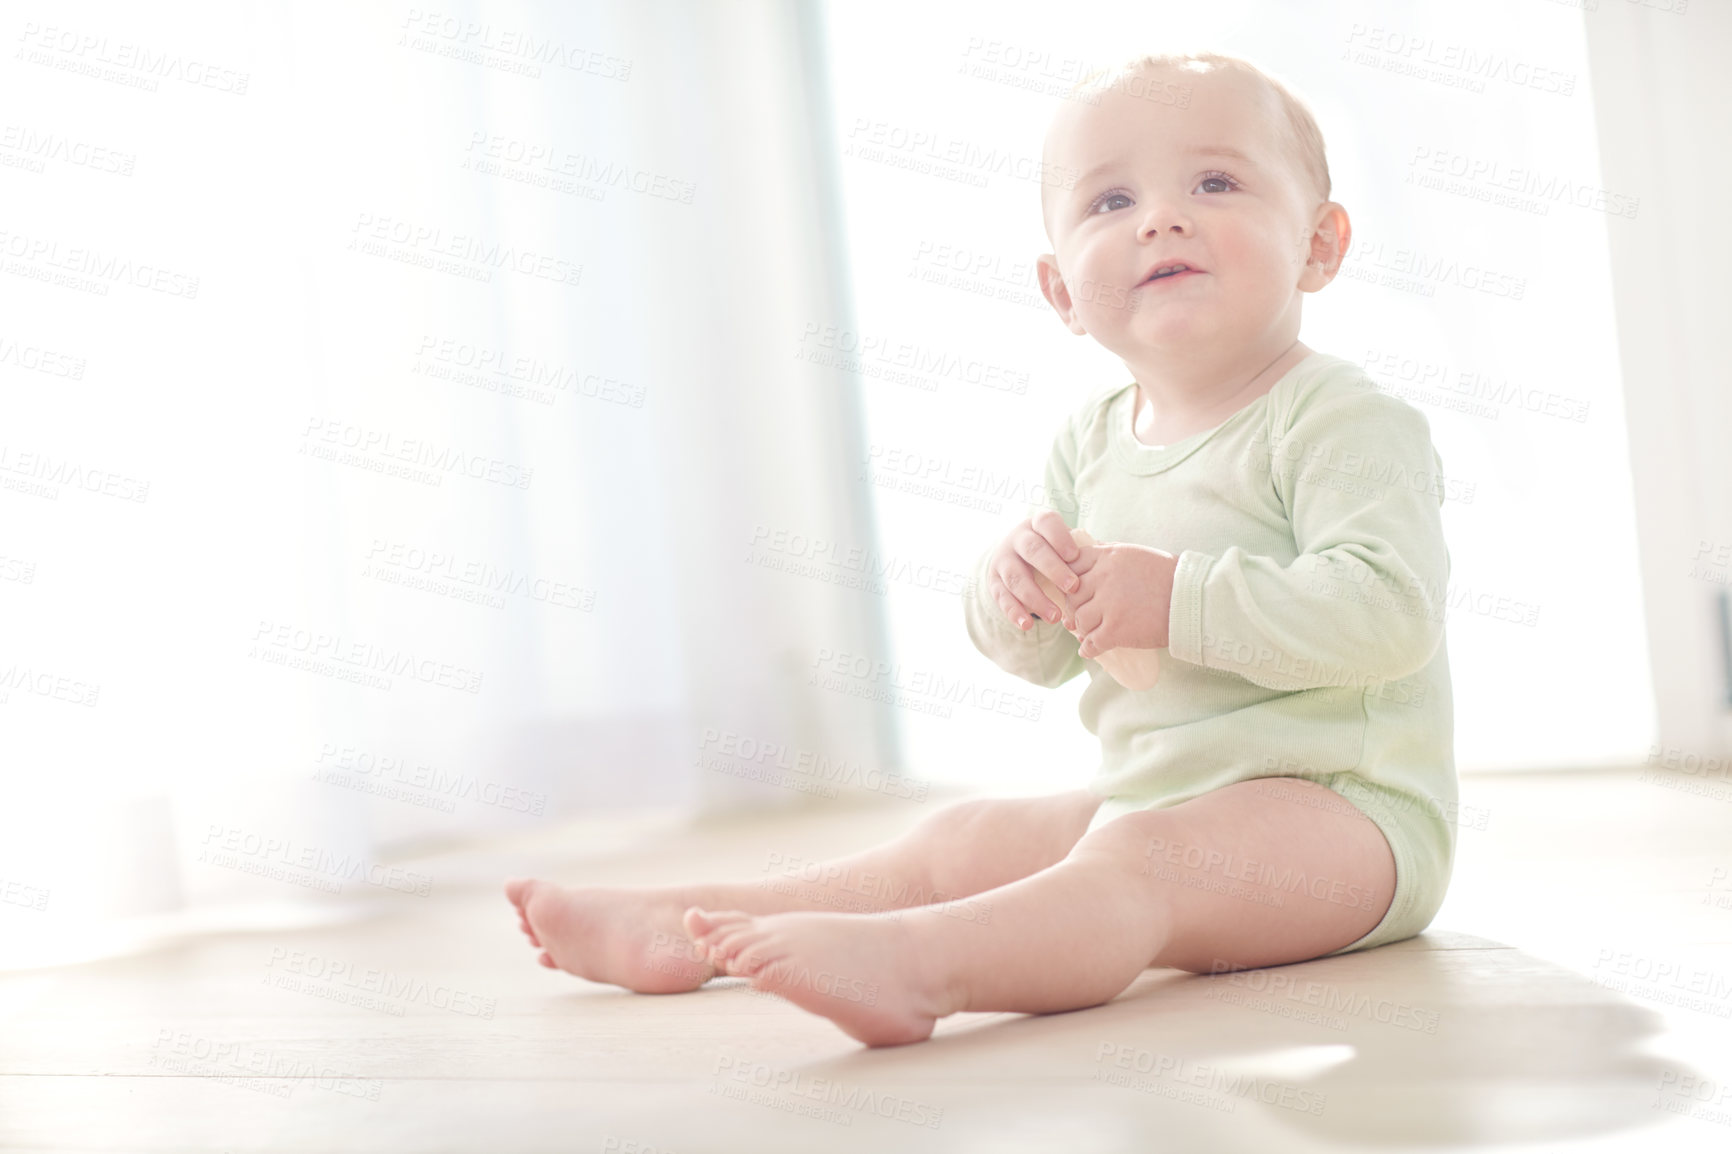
[627,937]
[859,970]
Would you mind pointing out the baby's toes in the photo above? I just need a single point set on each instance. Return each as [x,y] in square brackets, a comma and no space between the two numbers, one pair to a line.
[701,923]
[517,891]
[765,974]
[750,958]
[744,953]
[726,943]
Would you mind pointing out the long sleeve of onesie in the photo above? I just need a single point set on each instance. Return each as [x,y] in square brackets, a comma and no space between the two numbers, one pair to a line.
[1046,653]
[1362,602]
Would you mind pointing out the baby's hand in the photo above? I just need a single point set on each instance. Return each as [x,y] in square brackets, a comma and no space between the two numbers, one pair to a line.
[1125,598]
[1042,542]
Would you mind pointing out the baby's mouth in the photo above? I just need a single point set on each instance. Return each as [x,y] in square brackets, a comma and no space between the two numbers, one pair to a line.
[1173,270]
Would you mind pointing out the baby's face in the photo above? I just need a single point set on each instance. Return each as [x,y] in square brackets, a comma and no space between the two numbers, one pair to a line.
[1210,185]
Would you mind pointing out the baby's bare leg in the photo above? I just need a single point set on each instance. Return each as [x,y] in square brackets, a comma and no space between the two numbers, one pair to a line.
[1076,934]
[966,848]
[634,937]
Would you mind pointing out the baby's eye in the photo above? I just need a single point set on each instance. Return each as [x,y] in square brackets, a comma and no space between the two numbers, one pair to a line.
[1106,200]
[1218,178]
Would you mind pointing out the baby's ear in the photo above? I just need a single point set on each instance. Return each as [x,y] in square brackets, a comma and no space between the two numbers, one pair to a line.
[1057,293]
[1331,235]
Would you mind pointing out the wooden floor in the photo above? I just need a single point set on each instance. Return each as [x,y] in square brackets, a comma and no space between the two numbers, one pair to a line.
[1575,993]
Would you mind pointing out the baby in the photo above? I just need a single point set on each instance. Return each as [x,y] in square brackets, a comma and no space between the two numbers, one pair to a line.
[1262,514]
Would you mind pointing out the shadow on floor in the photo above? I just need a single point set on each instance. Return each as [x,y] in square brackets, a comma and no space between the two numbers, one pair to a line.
[1441,1039]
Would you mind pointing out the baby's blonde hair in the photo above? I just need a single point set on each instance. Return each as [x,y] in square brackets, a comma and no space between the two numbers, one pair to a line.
[1304,139]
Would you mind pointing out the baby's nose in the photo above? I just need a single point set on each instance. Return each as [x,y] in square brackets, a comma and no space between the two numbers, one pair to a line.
[1165,218]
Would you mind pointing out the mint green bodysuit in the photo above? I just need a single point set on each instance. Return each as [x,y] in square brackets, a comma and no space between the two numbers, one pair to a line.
[1306,637]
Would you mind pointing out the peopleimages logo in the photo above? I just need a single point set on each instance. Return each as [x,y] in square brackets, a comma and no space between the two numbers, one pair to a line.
[799,1087]
[729,752]
[1196,1083]
[1688,761]
[862,676]
[327,439]
[848,566]
[934,152]
[368,986]
[330,653]
[283,859]
[1327,997]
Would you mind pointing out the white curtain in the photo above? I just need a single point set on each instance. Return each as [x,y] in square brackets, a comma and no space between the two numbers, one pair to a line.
[1660,88]
[392,401]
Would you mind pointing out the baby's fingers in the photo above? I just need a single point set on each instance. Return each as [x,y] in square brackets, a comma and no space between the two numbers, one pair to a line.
[1040,555]
[1008,605]
[1092,642]
[1019,596]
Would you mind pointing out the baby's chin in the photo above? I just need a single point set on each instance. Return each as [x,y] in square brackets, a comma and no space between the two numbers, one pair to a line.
[1179,331]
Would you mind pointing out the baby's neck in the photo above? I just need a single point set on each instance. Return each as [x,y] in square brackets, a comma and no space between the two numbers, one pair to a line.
[1173,405]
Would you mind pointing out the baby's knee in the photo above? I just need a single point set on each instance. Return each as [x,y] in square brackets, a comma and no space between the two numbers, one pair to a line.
[1018,817]
[959,818]
[1129,843]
